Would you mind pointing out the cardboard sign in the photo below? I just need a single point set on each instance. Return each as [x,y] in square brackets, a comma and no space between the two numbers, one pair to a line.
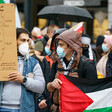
[8,46]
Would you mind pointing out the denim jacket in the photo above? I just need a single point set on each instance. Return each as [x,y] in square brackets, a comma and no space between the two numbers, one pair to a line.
[27,97]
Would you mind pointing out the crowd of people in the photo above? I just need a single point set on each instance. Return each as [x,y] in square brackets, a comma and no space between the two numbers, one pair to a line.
[42,56]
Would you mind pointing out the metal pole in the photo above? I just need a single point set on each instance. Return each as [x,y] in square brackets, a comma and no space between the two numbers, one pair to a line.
[28,14]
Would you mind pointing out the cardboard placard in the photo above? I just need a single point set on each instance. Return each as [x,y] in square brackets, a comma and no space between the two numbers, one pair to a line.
[8,45]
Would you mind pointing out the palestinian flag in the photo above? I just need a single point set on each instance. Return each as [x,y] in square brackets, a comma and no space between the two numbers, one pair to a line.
[85,95]
[78,27]
[2,1]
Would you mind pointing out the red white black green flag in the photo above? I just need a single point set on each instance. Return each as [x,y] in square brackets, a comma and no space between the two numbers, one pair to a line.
[85,95]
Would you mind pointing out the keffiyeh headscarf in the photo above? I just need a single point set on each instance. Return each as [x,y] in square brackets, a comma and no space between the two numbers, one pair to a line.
[86,40]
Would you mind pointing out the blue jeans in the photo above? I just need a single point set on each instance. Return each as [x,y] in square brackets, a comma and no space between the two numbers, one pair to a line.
[9,110]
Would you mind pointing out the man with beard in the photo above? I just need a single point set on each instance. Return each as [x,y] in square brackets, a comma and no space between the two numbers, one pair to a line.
[17,94]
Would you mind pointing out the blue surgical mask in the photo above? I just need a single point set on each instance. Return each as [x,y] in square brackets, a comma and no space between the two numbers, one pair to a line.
[47,51]
[60,52]
[104,48]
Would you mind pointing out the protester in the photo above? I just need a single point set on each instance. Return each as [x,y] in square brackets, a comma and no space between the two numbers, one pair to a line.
[44,99]
[108,32]
[43,31]
[100,40]
[98,50]
[40,44]
[68,60]
[32,51]
[36,34]
[17,94]
[104,64]
[86,48]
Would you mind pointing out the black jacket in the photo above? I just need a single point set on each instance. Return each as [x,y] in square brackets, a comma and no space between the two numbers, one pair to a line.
[45,94]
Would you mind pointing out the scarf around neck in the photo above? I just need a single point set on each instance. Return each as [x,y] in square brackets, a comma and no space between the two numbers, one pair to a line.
[69,65]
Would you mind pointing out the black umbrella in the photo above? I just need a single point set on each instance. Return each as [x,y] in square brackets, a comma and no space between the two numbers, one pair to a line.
[65,13]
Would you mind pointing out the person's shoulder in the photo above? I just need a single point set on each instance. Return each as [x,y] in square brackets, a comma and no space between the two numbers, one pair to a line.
[32,59]
[97,48]
[55,65]
[44,59]
[84,59]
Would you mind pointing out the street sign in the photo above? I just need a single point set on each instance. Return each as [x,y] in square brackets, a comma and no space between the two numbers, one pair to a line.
[74,3]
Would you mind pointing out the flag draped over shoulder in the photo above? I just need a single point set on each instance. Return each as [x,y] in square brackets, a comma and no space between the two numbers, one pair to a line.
[85,95]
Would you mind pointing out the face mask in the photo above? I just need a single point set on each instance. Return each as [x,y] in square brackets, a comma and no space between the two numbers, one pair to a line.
[24,49]
[85,49]
[104,48]
[47,51]
[60,52]
[105,36]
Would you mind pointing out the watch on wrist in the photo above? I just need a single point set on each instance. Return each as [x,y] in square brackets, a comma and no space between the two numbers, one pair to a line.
[25,79]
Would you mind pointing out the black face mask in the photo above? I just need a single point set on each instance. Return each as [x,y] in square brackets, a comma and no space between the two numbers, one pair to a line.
[85,51]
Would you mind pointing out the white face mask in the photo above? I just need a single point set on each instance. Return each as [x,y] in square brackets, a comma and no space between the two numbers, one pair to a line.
[24,48]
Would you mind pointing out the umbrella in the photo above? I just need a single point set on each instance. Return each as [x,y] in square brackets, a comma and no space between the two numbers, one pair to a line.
[65,13]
